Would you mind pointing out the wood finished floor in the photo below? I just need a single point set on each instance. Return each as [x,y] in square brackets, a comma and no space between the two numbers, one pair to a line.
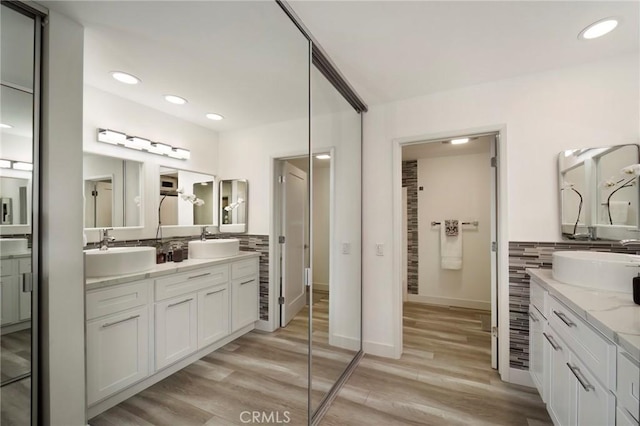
[443,378]
[15,354]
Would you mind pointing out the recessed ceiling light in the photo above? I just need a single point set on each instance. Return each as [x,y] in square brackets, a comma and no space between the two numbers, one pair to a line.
[459,141]
[175,99]
[125,78]
[598,29]
[214,116]
[5,126]
[323,156]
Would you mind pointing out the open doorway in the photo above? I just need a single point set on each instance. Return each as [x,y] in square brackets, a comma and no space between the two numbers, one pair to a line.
[449,260]
[296,253]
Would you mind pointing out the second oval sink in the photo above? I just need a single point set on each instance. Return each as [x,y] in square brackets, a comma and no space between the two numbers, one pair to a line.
[213,249]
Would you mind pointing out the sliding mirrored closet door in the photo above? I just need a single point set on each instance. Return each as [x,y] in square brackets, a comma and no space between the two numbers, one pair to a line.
[336,249]
[19,103]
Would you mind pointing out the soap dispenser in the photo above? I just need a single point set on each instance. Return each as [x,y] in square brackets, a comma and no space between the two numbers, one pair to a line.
[636,289]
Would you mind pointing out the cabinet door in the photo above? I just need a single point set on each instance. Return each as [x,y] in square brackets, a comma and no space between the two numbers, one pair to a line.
[594,404]
[213,315]
[117,352]
[25,297]
[536,350]
[562,386]
[9,299]
[176,329]
[244,307]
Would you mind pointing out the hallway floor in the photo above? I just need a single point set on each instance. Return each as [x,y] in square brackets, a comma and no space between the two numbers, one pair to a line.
[444,377]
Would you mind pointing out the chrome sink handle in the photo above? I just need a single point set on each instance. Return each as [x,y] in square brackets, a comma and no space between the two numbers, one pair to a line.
[106,239]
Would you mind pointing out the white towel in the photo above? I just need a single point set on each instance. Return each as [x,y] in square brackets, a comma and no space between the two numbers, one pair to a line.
[450,248]
[619,212]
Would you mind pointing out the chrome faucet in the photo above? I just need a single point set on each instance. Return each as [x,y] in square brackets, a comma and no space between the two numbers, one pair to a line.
[204,233]
[106,239]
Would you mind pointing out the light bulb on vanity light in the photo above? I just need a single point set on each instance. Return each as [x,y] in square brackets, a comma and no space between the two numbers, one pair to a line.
[160,148]
[109,136]
[5,164]
[459,141]
[19,165]
[135,142]
[180,153]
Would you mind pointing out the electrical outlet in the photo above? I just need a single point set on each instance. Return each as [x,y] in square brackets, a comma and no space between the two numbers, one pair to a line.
[346,248]
[379,249]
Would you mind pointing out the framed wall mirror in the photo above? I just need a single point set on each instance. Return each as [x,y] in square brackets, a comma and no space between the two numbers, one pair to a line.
[112,192]
[234,195]
[599,192]
[186,198]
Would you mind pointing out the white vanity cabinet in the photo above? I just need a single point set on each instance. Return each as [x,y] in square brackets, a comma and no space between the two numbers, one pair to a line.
[244,293]
[585,379]
[141,331]
[118,331]
[15,304]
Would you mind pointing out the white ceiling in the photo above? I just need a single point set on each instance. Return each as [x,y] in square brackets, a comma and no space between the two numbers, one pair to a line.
[391,50]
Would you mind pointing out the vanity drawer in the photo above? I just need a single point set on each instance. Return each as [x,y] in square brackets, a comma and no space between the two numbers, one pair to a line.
[244,268]
[538,297]
[191,282]
[117,299]
[594,350]
[628,390]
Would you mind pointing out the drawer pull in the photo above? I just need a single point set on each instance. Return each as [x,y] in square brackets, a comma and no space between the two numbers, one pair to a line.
[533,317]
[214,292]
[576,372]
[564,319]
[109,324]
[247,282]
[199,276]
[552,342]
[180,303]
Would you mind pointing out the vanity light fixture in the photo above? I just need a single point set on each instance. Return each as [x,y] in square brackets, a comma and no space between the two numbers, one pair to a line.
[19,165]
[5,164]
[323,156]
[175,99]
[598,29]
[141,144]
[125,78]
[213,116]
[459,141]
[5,126]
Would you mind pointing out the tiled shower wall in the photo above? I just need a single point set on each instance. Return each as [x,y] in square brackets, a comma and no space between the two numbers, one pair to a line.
[410,181]
[524,255]
[256,243]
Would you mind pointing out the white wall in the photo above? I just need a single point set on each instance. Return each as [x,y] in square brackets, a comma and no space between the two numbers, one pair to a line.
[104,110]
[62,272]
[590,105]
[321,222]
[455,187]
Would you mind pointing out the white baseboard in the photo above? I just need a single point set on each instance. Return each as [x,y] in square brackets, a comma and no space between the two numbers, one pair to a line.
[344,342]
[381,349]
[8,329]
[520,377]
[446,301]
[267,326]
[321,287]
[154,378]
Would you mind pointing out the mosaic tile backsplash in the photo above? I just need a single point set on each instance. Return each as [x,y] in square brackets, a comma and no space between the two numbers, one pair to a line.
[524,255]
[256,243]
[410,181]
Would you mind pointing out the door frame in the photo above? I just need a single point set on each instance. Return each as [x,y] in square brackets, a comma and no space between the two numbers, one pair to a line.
[501,281]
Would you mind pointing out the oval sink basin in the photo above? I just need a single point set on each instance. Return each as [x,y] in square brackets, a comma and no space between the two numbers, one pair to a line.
[119,261]
[13,246]
[596,270]
[213,249]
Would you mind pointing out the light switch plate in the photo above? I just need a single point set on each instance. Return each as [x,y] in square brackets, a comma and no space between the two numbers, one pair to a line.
[346,248]
[379,249]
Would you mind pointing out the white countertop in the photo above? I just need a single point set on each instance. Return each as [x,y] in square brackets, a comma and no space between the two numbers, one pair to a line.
[163,269]
[611,313]
[16,255]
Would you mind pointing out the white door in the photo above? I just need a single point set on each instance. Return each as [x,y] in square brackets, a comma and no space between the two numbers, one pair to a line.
[176,329]
[244,305]
[294,209]
[494,253]
[213,315]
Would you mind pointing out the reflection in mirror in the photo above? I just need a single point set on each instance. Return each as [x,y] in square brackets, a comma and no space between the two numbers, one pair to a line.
[186,198]
[16,195]
[234,195]
[599,192]
[112,192]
